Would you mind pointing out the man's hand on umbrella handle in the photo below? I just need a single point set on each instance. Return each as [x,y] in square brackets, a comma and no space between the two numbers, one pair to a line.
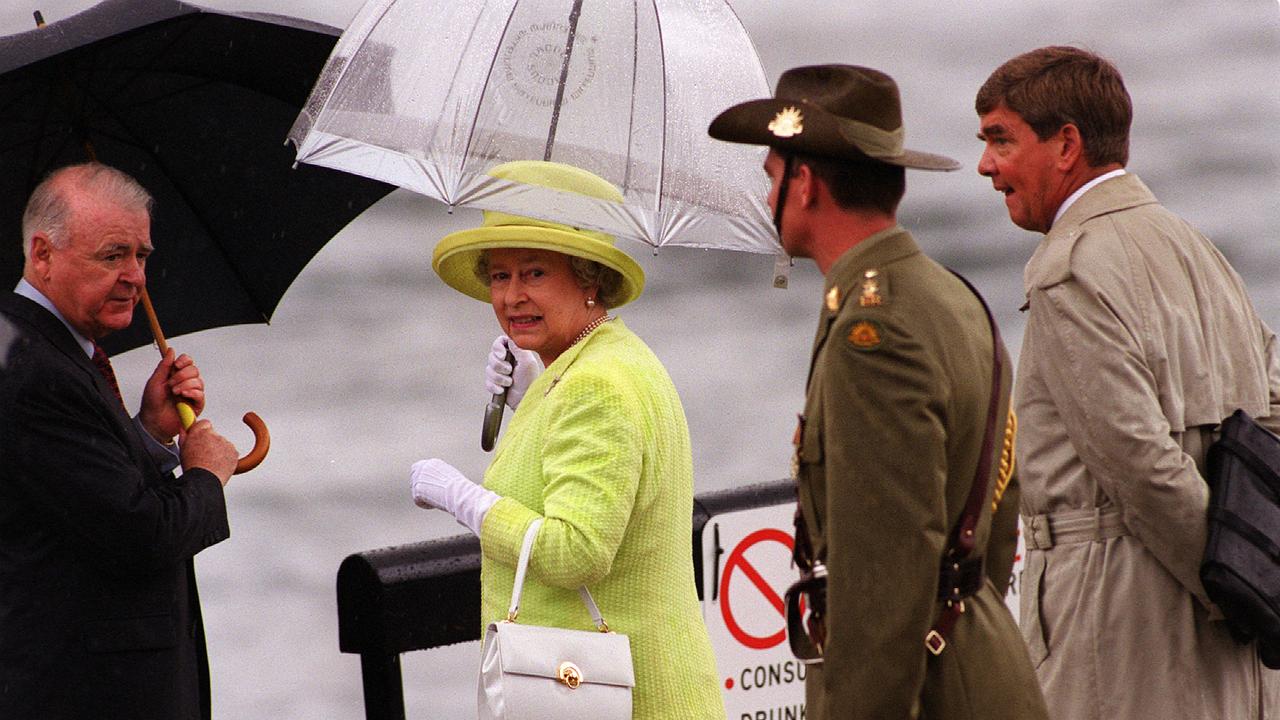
[202,447]
[435,483]
[499,375]
[176,380]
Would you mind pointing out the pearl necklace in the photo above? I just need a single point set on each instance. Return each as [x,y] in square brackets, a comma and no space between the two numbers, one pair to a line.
[590,326]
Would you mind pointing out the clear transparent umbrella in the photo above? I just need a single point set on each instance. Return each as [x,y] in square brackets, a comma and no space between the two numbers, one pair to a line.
[430,94]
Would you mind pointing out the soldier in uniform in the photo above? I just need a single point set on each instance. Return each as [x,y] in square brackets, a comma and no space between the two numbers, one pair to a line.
[905,564]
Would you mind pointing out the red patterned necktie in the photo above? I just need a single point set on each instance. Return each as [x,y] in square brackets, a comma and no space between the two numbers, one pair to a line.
[104,367]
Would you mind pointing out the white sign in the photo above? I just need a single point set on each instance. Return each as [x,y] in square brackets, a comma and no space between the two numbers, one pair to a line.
[747,568]
[1015,583]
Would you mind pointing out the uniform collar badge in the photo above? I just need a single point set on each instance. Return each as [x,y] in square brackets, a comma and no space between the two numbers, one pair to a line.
[870,296]
[833,299]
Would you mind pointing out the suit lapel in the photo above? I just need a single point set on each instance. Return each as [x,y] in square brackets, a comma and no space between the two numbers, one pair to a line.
[51,329]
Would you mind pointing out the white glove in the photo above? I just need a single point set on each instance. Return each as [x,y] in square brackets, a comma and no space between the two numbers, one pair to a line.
[437,484]
[498,375]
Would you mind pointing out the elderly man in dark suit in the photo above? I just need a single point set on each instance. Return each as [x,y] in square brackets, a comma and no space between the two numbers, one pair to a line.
[99,615]
[898,451]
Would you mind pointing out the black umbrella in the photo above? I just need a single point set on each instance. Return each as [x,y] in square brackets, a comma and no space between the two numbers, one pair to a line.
[196,105]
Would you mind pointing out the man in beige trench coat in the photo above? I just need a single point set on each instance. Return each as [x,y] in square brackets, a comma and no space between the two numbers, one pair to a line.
[1139,341]
[896,408]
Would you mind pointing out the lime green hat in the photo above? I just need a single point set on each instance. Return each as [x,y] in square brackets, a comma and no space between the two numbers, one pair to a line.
[456,254]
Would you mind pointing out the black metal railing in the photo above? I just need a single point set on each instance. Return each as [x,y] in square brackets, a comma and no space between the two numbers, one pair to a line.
[427,595]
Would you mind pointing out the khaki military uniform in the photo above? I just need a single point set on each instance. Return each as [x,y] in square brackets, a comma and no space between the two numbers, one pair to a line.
[895,414]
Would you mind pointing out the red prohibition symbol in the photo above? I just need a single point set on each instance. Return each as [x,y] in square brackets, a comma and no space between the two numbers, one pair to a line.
[737,561]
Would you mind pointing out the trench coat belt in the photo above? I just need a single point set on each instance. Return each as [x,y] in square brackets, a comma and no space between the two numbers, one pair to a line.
[1067,527]
[1048,530]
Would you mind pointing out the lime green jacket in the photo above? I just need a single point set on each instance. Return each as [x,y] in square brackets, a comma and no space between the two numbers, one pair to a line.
[599,448]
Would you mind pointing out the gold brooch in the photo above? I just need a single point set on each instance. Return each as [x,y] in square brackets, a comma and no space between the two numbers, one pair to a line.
[787,123]
[870,290]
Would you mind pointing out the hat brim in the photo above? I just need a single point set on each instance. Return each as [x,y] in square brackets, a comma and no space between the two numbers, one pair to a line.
[748,123]
[455,256]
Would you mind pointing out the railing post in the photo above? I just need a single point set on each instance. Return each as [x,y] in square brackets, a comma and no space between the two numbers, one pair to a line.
[383,686]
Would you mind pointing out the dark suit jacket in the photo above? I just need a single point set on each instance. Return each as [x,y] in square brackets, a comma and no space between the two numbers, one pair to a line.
[99,615]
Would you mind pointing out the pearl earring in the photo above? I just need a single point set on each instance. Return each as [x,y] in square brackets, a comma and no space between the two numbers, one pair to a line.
[591,302]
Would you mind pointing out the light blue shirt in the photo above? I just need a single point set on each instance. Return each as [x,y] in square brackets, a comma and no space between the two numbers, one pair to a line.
[166,456]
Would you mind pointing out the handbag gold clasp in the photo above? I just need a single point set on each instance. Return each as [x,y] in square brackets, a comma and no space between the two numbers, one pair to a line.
[569,674]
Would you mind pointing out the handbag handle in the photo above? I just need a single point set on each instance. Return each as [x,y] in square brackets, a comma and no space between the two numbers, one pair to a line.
[522,566]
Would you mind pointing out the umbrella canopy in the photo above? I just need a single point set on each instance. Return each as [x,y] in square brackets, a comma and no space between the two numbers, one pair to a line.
[430,94]
[195,105]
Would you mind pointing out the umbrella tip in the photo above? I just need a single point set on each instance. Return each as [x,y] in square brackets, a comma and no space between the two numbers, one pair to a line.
[39,19]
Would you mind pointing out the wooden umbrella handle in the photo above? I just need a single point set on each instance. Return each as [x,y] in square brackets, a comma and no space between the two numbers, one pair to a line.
[261,443]
[261,437]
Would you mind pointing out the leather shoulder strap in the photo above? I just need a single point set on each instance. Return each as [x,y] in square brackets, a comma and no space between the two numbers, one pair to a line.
[962,540]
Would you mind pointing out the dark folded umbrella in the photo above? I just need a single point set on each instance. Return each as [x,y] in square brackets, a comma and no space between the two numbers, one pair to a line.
[196,105]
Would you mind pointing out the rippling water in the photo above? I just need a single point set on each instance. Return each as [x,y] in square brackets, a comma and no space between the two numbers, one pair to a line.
[371,363]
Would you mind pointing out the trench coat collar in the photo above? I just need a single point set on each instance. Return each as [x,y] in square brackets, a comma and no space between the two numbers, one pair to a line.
[1051,262]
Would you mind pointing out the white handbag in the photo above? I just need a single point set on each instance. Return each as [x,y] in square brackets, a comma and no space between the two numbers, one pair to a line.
[531,672]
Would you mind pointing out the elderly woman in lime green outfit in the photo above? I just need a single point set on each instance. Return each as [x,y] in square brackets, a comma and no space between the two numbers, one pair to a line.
[598,447]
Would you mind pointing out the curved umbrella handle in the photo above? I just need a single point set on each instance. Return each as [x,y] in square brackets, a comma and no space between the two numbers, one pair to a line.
[261,438]
[492,420]
[261,444]
[493,412]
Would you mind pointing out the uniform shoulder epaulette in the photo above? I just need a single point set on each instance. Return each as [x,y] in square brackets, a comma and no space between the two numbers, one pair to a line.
[872,290]
[867,333]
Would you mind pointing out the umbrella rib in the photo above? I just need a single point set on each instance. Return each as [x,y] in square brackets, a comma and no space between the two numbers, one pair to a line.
[635,69]
[662,144]
[574,13]
[471,132]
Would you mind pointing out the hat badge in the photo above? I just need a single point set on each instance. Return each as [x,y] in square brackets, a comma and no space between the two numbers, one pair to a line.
[789,122]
